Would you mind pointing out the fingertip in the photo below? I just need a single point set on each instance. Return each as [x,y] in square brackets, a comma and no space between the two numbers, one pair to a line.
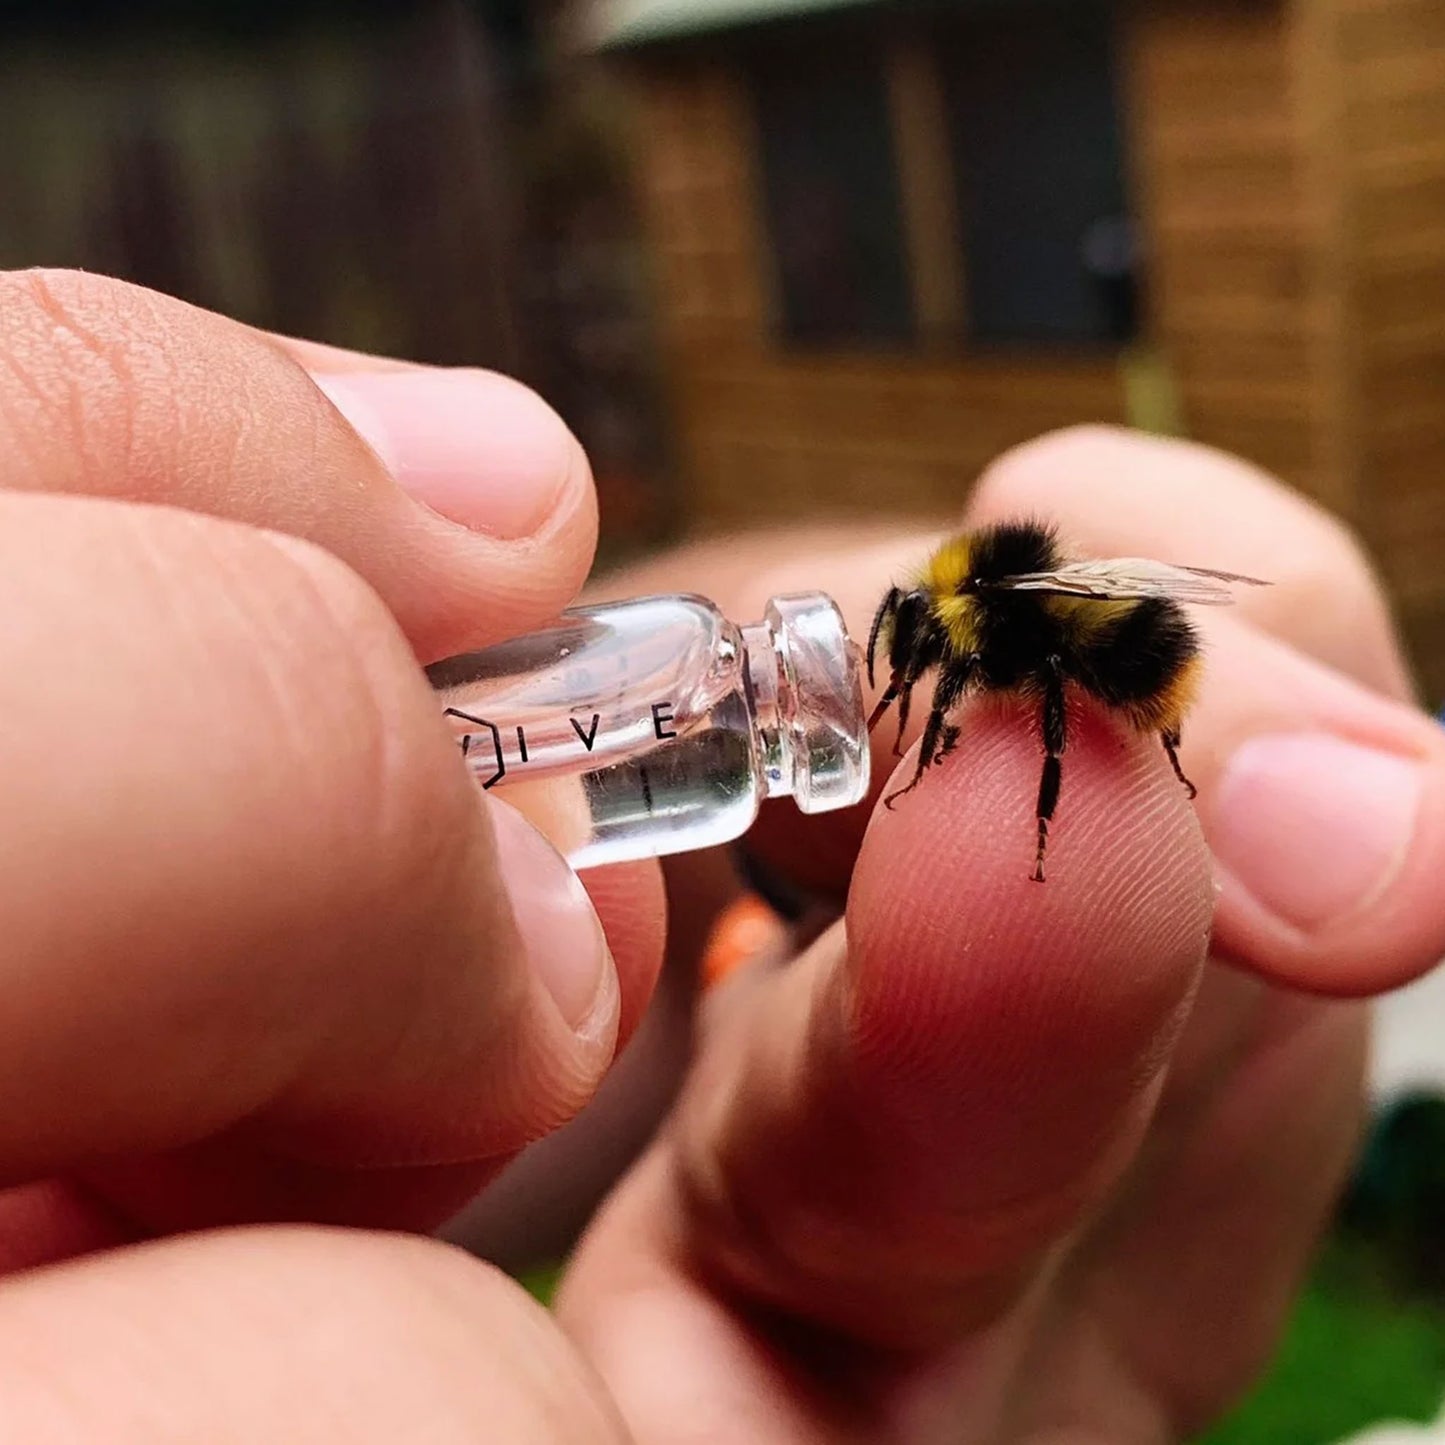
[1123,826]
[889,1134]
[1116,491]
[1111,488]
[497,483]
[1324,805]
[1007,1003]
[1047,469]
[480,449]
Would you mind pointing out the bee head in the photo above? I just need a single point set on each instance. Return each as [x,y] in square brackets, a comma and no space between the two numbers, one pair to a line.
[912,627]
[906,631]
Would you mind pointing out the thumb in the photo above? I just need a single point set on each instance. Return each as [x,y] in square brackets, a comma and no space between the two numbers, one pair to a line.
[888,1137]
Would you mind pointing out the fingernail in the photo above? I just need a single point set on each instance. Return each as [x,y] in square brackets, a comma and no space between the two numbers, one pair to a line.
[557,923]
[480,449]
[1313,826]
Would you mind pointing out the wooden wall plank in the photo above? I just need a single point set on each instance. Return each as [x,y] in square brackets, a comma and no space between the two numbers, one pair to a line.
[1395,144]
[762,424]
[1234,227]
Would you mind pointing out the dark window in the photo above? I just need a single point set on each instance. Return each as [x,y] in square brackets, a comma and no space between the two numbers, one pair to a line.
[831,192]
[1039,157]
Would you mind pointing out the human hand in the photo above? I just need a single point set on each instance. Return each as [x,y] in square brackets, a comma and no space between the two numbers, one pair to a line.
[994,1161]
[274,1002]
[267,955]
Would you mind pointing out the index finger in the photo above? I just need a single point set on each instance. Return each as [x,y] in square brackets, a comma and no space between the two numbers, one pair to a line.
[458,494]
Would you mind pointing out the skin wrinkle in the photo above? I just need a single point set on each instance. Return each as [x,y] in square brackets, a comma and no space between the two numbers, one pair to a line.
[19,438]
[104,372]
[242,436]
[319,423]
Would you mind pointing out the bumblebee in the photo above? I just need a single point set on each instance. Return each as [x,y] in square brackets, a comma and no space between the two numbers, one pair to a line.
[1002,610]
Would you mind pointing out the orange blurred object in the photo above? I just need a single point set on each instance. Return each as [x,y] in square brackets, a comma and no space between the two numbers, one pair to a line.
[745,929]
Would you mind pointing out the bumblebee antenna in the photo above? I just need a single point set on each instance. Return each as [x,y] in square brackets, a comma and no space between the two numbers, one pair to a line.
[887,610]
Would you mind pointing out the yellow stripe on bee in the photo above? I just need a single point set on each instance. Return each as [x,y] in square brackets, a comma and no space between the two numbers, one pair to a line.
[949,567]
[943,579]
[1165,710]
[1087,617]
[959,616]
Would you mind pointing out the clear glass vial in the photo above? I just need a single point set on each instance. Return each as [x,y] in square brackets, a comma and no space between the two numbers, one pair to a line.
[632,729]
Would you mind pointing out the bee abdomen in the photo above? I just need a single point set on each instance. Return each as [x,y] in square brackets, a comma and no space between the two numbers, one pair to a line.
[1145,664]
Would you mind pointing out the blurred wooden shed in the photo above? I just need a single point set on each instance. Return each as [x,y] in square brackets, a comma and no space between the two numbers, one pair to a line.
[892,239]
[414,177]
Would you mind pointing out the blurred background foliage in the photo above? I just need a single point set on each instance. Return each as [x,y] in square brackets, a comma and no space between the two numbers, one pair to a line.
[1367,1339]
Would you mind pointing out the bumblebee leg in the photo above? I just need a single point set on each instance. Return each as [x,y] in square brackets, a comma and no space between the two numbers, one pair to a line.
[905,701]
[937,729]
[952,733]
[932,730]
[1054,738]
[1170,738]
[899,690]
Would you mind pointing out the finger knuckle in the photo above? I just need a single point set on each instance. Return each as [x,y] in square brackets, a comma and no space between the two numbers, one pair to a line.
[72,368]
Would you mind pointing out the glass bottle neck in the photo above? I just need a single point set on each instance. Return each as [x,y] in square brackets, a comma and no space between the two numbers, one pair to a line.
[803,675]
[769,697]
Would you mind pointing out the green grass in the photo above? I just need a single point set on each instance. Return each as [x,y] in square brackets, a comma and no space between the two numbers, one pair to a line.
[541,1284]
[1355,1355]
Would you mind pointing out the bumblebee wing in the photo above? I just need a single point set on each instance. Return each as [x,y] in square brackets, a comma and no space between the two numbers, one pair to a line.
[1135,577]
